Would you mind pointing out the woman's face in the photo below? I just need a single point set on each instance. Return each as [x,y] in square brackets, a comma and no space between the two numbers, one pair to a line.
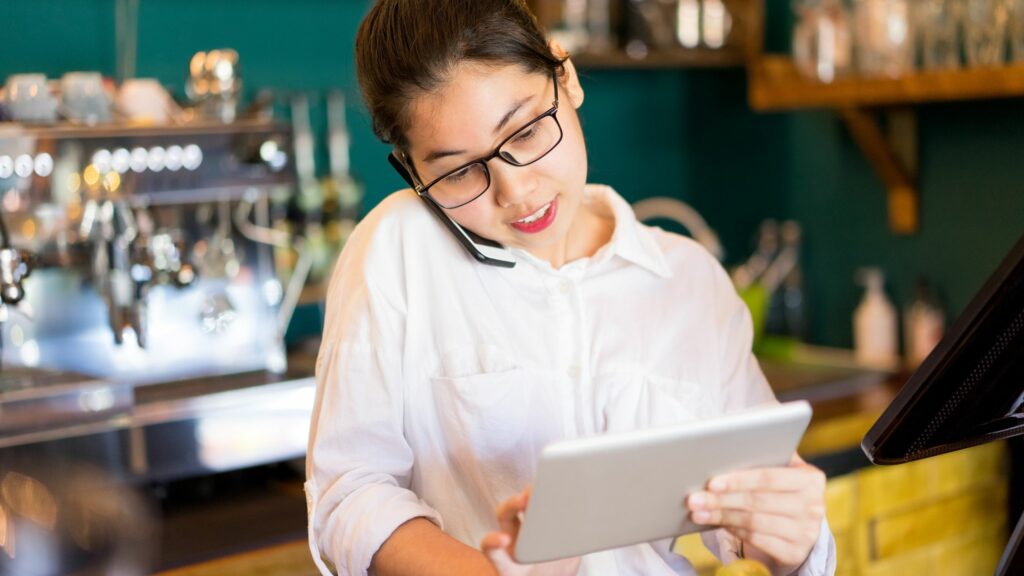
[475,111]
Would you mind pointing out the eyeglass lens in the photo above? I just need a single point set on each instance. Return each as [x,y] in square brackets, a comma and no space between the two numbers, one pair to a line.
[526,146]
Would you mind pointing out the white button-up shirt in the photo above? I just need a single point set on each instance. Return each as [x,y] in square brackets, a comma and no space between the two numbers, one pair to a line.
[440,379]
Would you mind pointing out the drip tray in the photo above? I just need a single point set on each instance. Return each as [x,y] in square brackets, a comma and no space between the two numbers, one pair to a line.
[34,399]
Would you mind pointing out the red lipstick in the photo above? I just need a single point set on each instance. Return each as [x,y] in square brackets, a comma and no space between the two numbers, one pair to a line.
[539,224]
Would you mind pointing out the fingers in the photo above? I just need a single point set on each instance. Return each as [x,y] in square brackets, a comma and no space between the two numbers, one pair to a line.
[509,513]
[784,503]
[495,547]
[783,551]
[495,540]
[501,545]
[795,478]
[785,527]
[777,510]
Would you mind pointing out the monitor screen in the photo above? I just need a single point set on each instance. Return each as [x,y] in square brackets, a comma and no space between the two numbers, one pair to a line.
[970,389]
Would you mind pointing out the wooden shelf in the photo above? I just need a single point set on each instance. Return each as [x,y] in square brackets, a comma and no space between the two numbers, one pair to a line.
[693,58]
[775,84]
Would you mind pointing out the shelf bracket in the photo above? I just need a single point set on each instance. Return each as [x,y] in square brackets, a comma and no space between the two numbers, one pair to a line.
[893,156]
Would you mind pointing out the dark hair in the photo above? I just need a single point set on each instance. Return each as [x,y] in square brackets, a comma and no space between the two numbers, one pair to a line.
[405,48]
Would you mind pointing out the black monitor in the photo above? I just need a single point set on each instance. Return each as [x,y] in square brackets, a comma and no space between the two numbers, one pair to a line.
[970,389]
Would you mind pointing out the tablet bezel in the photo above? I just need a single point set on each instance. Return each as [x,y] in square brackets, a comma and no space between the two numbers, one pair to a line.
[621,489]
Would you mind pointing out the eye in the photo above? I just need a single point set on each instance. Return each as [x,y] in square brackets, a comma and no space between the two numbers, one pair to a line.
[455,177]
[526,135]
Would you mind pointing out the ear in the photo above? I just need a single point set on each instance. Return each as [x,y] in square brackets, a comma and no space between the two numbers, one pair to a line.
[569,79]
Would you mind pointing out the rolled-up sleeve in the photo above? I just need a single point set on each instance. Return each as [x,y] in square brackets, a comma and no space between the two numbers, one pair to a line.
[744,385]
[821,561]
[359,464]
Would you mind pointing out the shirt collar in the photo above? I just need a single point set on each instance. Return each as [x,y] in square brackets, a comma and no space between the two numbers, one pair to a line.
[631,240]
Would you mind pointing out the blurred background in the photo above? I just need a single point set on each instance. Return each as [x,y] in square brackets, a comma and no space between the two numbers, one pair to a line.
[177,177]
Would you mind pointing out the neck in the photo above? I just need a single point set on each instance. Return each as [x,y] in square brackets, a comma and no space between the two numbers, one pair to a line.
[587,234]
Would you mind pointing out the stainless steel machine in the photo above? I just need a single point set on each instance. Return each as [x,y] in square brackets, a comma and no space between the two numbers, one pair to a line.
[142,314]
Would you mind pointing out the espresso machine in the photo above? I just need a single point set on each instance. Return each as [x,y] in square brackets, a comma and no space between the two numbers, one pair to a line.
[142,314]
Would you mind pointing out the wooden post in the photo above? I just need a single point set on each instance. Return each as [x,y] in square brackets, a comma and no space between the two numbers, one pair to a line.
[900,182]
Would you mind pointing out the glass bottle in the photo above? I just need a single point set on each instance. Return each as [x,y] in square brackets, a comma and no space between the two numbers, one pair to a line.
[1016,30]
[985,23]
[716,23]
[688,23]
[883,37]
[599,30]
[821,39]
[923,325]
[571,28]
[938,29]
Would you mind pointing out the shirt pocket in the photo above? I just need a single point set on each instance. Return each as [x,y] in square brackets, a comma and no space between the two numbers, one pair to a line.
[647,400]
[495,424]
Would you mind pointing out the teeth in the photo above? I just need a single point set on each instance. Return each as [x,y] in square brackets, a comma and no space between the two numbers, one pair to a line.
[536,215]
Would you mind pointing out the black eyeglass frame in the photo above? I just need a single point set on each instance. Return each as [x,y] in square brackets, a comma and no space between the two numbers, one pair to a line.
[408,172]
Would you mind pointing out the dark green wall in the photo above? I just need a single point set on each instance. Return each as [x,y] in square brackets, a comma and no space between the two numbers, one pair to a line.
[972,207]
[667,132]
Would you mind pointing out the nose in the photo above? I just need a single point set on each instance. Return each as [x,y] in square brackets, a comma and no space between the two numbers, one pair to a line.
[512,185]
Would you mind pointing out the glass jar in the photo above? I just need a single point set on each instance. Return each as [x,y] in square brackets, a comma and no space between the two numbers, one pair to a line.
[1016,28]
[938,28]
[985,24]
[716,23]
[883,37]
[821,39]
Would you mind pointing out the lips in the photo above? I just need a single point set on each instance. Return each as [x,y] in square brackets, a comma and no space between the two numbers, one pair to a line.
[538,220]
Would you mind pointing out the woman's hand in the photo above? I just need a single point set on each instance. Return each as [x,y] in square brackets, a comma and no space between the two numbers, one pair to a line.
[775,512]
[499,547]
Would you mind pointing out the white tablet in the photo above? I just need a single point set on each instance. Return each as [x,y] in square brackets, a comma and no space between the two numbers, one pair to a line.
[620,489]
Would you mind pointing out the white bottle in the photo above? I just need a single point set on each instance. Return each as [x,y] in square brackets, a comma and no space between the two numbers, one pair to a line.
[924,324]
[875,333]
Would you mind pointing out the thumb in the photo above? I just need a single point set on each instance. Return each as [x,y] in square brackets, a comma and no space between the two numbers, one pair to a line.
[495,540]
[495,547]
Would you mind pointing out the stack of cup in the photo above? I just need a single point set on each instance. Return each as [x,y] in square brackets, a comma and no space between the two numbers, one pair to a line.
[27,99]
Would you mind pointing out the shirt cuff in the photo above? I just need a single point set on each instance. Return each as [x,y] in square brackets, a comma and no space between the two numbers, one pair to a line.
[822,559]
[351,534]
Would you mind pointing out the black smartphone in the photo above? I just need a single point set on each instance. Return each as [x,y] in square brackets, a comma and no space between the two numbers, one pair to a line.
[485,250]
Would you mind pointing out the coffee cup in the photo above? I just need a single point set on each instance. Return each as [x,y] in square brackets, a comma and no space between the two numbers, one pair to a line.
[145,100]
[27,98]
[83,97]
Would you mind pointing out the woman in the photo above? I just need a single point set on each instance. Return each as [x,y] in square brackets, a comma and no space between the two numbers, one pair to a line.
[440,377]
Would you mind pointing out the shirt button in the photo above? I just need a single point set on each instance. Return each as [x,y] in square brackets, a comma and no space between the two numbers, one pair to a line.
[574,371]
[565,286]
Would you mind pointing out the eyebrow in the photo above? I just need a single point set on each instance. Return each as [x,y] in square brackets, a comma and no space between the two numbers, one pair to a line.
[512,112]
[516,107]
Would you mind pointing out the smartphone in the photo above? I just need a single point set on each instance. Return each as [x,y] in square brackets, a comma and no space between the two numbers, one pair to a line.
[485,250]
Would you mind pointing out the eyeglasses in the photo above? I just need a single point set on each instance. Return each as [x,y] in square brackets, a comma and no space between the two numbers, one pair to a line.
[468,182]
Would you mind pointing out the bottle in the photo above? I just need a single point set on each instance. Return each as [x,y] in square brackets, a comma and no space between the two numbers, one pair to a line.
[822,42]
[571,29]
[716,23]
[924,323]
[874,323]
[883,37]
[599,29]
[688,23]
[767,248]
[747,277]
[793,292]
[783,280]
